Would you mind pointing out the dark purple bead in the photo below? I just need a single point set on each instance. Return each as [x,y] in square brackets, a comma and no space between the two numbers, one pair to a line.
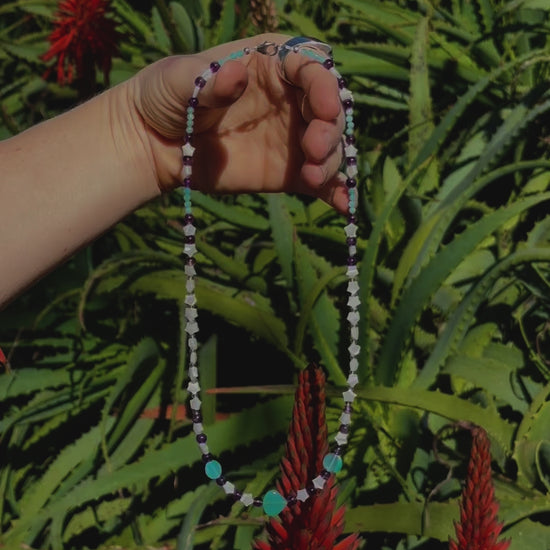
[190,261]
[338,450]
[352,219]
[200,82]
[325,474]
[193,101]
[187,161]
[246,50]
[311,490]
[220,481]
[189,239]
[201,438]
[207,457]
[342,83]
[347,103]
[189,219]
[258,502]
[237,495]
[188,138]
[347,408]
[196,416]
[328,63]
[351,182]
[352,260]
[214,66]
[187,181]
[291,499]
[344,429]
[351,241]
[350,139]
[351,161]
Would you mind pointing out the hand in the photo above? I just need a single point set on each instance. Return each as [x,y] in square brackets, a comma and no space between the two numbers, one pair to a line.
[253,131]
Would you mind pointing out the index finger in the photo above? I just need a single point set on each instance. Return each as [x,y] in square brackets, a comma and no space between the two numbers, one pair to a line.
[316,80]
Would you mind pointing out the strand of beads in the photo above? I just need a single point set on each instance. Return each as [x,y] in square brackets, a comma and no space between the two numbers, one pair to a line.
[273,502]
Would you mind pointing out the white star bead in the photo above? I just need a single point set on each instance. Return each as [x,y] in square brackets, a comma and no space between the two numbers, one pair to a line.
[345,418]
[195,404]
[189,229]
[352,170]
[353,317]
[351,230]
[190,270]
[247,499]
[193,358]
[350,150]
[190,286]
[341,438]
[188,150]
[192,328]
[193,387]
[353,380]
[349,396]
[191,313]
[354,302]
[345,94]
[186,171]
[302,495]
[354,333]
[354,349]
[193,373]
[228,487]
[352,271]
[354,364]
[197,428]
[353,287]
[192,343]
[190,249]
[319,482]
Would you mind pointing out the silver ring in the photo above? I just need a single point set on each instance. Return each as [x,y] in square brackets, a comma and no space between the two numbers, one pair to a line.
[295,45]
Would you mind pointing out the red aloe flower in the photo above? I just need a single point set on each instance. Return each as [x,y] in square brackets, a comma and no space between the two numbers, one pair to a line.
[316,523]
[83,37]
[479,527]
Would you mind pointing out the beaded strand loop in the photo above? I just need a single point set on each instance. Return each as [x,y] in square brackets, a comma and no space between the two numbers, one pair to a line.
[273,502]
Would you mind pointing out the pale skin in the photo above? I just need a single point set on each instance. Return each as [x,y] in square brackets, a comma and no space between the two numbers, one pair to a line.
[67,180]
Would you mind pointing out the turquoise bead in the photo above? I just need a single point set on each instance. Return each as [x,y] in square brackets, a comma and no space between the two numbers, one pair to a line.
[274,503]
[332,463]
[213,469]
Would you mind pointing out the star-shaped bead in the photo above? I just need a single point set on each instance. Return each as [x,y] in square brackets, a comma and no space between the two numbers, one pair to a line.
[188,150]
[351,151]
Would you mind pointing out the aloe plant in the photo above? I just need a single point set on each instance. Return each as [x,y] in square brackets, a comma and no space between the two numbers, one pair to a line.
[452,103]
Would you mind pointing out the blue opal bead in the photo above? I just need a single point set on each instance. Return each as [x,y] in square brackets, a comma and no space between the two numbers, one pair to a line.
[213,469]
[332,463]
[274,503]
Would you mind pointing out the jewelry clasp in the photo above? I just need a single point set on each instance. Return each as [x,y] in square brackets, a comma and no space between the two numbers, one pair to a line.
[268,48]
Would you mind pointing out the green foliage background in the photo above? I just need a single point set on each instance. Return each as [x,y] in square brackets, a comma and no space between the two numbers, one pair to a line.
[452,100]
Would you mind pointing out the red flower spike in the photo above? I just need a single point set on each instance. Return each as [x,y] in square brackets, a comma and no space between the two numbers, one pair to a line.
[83,37]
[316,523]
[479,527]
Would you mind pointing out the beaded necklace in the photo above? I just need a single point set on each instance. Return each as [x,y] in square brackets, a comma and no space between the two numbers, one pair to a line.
[274,502]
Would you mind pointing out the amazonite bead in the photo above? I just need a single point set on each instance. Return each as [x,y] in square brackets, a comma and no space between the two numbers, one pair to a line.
[213,469]
[332,463]
[274,503]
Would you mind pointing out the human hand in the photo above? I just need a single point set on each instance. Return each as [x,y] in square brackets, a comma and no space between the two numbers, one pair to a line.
[254,132]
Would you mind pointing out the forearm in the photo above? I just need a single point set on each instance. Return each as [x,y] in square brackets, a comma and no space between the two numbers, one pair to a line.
[66,181]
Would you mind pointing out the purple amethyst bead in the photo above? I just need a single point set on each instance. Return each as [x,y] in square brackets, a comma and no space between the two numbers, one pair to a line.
[347,103]
[342,83]
[187,181]
[351,182]
[200,82]
[352,260]
[258,503]
[351,161]
[189,239]
[193,101]
[352,219]
[207,457]
[325,474]
[220,481]
[328,63]
[201,438]
[351,241]
[214,66]
[189,219]
[350,140]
